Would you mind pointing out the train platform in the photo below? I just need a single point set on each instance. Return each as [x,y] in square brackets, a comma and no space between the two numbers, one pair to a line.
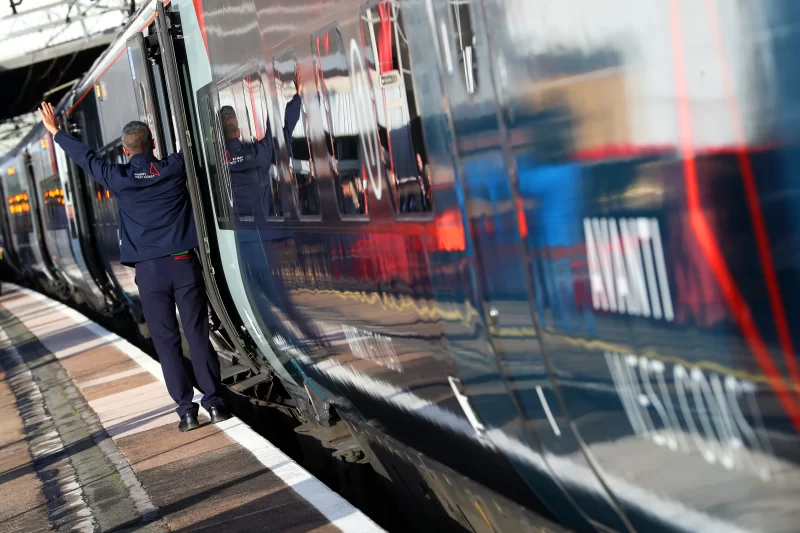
[89,443]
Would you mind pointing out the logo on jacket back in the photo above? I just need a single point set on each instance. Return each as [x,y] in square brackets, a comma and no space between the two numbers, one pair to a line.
[153,172]
[233,160]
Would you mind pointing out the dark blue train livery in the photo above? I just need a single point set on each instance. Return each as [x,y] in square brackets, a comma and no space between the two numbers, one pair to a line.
[532,261]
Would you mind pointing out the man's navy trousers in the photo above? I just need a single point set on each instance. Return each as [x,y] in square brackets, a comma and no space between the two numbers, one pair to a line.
[163,283]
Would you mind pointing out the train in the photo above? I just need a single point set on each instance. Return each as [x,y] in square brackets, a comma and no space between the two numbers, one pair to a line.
[533,262]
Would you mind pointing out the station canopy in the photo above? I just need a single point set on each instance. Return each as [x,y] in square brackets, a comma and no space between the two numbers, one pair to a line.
[45,47]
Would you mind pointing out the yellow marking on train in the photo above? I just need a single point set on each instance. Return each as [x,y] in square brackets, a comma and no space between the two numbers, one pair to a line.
[388,302]
[595,344]
[652,354]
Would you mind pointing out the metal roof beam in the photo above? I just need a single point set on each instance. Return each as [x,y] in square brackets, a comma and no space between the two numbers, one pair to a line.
[51,52]
[11,18]
[52,24]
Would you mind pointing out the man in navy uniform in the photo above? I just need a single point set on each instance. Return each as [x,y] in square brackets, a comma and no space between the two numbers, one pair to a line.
[158,238]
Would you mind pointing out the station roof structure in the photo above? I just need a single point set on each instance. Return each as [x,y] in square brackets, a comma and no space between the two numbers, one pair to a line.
[45,47]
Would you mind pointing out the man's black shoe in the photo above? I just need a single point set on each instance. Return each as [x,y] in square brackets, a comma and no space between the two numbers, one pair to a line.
[219,414]
[188,423]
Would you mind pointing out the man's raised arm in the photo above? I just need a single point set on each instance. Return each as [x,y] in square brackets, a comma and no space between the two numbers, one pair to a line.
[292,116]
[84,156]
[293,108]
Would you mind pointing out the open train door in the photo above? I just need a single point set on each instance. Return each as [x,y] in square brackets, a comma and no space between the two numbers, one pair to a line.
[543,438]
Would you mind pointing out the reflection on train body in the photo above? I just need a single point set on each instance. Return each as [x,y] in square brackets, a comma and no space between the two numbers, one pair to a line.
[550,246]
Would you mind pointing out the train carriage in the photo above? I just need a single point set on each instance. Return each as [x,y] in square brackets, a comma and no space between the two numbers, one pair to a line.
[533,261]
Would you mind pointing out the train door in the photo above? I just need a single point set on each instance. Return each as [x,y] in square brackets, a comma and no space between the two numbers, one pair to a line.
[38,234]
[9,260]
[79,189]
[504,280]
[19,220]
[51,208]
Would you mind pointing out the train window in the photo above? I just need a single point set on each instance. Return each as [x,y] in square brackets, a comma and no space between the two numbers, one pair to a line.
[150,120]
[18,203]
[298,147]
[464,36]
[252,99]
[221,185]
[399,124]
[51,153]
[246,170]
[258,99]
[249,152]
[102,206]
[120,156]
[342,136]
[53,202]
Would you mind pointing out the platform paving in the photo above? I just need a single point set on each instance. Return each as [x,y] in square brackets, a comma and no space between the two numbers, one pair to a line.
[88,442]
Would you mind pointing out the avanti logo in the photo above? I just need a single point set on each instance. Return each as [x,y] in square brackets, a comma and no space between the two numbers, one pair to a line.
[627,269]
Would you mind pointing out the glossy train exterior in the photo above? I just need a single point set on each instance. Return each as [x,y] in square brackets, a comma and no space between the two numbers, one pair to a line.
[535,261]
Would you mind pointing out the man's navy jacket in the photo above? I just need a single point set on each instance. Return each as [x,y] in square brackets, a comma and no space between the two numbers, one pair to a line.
[155,215]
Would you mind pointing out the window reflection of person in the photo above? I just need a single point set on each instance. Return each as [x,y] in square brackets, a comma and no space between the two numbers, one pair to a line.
[322,100]
[248,166]
[299,151]
[351,204]
[340,149]
[249,162]
[414,190]
[348,207]
[425,181]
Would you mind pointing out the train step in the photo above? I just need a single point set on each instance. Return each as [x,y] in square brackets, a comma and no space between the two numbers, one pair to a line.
[232,371]
[249,383]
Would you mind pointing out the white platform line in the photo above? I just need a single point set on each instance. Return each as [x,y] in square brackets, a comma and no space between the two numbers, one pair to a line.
[336,509]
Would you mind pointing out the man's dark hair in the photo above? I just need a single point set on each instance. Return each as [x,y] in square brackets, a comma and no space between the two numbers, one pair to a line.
[230,124]
[137,138]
